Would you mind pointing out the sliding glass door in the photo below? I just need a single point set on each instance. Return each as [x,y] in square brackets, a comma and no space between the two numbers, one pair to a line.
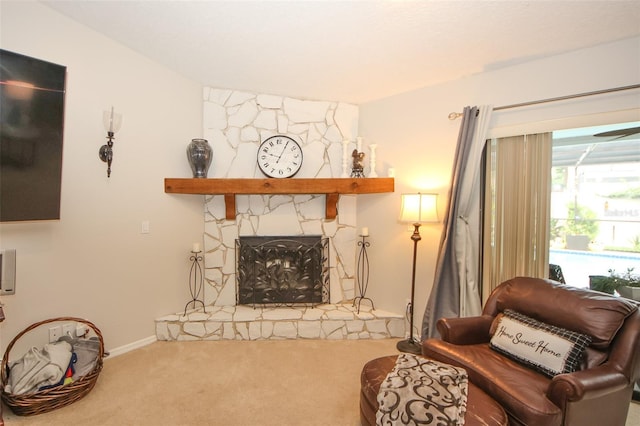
[564,205]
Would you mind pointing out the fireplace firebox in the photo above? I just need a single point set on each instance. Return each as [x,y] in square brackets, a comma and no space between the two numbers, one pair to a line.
[282,271]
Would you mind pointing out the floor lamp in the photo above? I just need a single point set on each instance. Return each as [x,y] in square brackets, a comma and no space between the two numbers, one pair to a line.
[416,209]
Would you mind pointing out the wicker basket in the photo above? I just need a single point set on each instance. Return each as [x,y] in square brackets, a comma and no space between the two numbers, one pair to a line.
[59,396]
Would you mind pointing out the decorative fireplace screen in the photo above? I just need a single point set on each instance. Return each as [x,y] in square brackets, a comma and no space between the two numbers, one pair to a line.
[282,271]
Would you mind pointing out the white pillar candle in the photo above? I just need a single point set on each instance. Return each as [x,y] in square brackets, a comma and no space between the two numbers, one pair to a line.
[372,160]
[196,247]
[345,158]
[111,120]
[365,232]
[391,172]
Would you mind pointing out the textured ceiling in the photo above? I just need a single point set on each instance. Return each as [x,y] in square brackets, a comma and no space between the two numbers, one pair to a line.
[351,51]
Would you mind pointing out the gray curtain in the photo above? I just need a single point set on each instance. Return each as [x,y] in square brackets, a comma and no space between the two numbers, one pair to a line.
[444,300]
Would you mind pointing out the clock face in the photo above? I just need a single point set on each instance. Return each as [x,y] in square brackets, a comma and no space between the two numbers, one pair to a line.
[279,157]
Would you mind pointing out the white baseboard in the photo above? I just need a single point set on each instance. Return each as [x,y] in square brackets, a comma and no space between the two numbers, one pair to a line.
[130,346]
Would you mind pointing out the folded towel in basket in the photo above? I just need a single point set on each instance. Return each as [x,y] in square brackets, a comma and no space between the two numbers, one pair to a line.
[39,368]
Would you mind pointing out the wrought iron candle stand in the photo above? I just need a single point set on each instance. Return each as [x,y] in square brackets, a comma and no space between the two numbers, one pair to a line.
[362,273]
[196,281]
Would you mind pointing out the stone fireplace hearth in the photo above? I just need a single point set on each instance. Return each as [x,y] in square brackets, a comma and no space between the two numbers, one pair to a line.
[245,323]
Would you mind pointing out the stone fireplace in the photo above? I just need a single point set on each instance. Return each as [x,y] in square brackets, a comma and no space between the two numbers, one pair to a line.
[282,271]
[235,123]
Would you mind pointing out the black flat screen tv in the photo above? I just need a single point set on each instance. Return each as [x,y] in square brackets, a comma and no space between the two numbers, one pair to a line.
[31,127]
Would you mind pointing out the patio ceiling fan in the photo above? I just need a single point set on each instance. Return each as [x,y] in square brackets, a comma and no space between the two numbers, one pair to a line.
[620,133]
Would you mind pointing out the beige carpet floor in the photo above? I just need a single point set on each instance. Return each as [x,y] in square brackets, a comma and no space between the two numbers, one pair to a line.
[302,382]
[285,382]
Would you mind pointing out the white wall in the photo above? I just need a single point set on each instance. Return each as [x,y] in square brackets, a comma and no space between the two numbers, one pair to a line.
[415,137]
[94,262]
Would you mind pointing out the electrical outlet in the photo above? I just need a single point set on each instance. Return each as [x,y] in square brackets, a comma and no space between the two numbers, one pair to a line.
[55,333]
[81,330]
[69,330]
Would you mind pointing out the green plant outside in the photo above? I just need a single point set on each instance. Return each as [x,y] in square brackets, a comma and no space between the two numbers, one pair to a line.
[555,229]
[615,280]
[622,249]
[581,220]
[629,194]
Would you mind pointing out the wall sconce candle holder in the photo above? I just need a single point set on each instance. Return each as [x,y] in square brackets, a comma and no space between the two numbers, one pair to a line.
[112,123]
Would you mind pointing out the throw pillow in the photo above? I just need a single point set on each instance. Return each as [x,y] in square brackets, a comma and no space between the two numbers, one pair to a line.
[548,349]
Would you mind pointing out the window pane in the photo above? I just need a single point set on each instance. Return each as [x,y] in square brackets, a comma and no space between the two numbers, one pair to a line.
[595,201]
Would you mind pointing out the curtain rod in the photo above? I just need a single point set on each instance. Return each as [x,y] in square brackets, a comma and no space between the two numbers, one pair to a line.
[454,115]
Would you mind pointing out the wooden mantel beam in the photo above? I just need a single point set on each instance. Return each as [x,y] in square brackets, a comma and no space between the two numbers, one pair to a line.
[331,187]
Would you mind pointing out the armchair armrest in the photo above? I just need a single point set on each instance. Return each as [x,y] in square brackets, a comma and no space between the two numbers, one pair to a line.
[465,331]
[585,384]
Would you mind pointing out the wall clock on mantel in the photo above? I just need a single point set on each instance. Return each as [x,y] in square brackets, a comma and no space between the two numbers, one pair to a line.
[279,157]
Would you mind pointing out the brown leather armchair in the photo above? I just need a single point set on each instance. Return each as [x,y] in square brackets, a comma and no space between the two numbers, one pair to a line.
[597,394]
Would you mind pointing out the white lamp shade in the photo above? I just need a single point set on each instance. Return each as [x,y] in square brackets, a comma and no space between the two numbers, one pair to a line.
[419,208]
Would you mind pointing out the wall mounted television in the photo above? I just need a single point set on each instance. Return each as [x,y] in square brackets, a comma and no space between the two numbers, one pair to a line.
[32,95]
